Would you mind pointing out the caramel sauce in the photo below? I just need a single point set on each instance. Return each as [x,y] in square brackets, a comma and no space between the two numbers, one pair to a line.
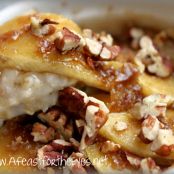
[14,34]
[124,88]
[16,142]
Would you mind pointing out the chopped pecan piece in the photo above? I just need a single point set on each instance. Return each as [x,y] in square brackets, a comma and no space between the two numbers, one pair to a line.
[42,134]
[106,38]
[48,156]
[73,101]
[136,35]
[134,160]
[109,147]
[42,28]
[165,150]
[90,119]
[91,110]
[148,166]
[120,126]
[127,72]
[109,52]
[58,120]
[75,163]
[149,58]
[87,33]
[153,105]
[48,21]
[80,125]
[102,37]
[93,47]
[150,128]
[92,127]
[66,40]
[60,145]
[100,103]
[75,143]
[95,116]
[164,142]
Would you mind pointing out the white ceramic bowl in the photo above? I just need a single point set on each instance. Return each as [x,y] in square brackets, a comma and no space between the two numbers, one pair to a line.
[82,9]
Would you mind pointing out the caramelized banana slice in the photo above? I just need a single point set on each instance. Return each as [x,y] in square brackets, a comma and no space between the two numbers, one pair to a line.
[128,138]
[101,162]
[20,49]
[156,85]
[95,156]
[151,84]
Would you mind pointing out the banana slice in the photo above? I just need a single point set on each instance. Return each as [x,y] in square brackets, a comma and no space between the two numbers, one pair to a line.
[156,85]
[19,49]
[101,162]
[128,139]
[151,84]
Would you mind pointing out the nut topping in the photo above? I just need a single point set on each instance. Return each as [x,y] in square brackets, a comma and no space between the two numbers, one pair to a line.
[42,134]
[120,126]
[42,28]
[148,166]
[101,104]
[133,159]
[150,128]
[66,40]
[109,147]
[93,47]
[90,119]
[153,105]
[58,120]
[106,39]
[87,33]
[149,58]
[76,167]
[93,112]
[102,37]
[47,156]
[73,101]
[60,145]
[136,35]
[163,142]
[109,52]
